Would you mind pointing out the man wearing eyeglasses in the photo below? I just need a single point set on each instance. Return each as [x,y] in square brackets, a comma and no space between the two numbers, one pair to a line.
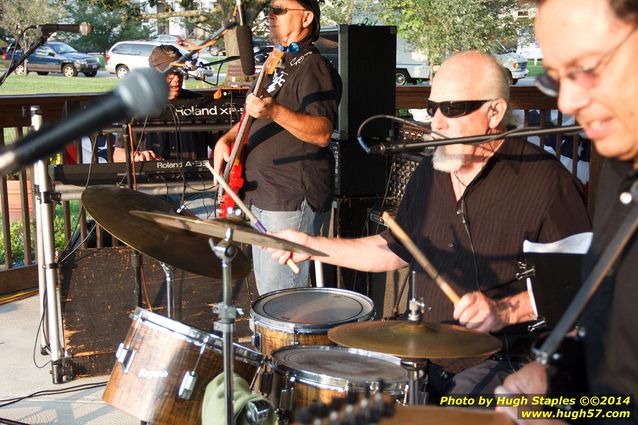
[590,54]
[288,170]
[173,145]
[469,208]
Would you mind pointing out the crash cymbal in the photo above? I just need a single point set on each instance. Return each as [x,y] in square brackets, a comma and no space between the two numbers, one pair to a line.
[111,206]
[217,228]
[410,340]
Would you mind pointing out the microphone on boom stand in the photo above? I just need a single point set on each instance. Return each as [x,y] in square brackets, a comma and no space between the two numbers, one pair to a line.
[441,140]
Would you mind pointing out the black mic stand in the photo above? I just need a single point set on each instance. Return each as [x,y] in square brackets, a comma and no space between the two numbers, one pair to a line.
[15,64]
[383,148]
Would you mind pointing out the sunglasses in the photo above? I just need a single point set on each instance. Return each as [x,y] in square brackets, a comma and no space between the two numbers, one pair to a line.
[585,77]
[454,109]
[278,10]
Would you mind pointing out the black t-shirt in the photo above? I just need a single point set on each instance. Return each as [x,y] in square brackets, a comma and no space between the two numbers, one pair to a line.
[611,316]
[522,193]
[281,170]
[175,144]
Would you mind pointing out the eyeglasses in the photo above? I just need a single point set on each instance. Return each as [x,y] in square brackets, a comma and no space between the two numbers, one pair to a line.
[278,10]
[585,77]
[454,109]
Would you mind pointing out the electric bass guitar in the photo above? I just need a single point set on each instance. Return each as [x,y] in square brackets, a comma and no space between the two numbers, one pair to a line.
[233,172]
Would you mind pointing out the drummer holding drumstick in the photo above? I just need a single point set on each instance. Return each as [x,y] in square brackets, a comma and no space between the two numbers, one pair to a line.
[469,208]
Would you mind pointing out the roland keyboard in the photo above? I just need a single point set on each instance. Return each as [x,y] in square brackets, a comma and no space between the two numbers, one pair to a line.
[146,171]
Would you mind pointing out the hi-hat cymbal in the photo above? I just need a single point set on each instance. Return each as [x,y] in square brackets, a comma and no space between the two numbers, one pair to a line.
[111,206]
[218,228]
[410,340]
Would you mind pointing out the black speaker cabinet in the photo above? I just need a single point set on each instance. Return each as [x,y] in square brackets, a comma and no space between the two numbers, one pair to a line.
[365,57]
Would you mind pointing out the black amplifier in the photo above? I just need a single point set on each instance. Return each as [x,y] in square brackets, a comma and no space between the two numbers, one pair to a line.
[401,170]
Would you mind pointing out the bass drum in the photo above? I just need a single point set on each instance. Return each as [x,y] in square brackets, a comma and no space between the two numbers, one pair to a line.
[303,316]
[303,374]
[153,375]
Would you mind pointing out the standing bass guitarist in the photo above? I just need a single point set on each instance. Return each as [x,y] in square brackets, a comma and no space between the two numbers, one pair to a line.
[287,170]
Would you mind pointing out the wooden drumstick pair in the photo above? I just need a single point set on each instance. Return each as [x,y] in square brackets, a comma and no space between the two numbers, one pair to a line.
[420,258]
[253,220]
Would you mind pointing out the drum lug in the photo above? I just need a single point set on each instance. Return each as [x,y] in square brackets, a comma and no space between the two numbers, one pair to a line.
[286,396]
[188,384]
[256,340]
[124,356]
[265,382]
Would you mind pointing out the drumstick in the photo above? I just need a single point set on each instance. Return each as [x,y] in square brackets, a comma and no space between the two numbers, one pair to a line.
[253,220]
[420,258]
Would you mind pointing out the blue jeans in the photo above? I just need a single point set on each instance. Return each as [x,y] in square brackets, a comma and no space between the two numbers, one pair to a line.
[269,274]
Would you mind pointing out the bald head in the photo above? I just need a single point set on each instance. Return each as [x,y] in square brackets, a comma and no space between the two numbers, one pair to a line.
[470,75]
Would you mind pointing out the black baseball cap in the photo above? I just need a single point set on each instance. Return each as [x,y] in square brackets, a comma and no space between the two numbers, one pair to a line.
[313,6]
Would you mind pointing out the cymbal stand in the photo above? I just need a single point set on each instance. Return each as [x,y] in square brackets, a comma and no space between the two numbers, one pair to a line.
[170,300]
[226,251]
[417,379]
[417,368]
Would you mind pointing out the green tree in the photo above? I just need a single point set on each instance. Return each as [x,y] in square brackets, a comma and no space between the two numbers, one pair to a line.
[442,27]
[109,27]
[335,12]
[17,15]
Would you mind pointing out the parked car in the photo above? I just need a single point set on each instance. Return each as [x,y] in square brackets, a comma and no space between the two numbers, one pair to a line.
[8,52]
[168,39]
[514,63]
[55,56]
[127,56]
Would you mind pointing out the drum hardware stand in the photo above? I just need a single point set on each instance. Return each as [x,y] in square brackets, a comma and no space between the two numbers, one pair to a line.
[417,369]
[136,258]
[226,251]
[170,301]
[61,370]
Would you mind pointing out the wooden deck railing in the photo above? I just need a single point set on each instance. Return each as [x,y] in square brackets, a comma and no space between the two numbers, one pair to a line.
[15,119]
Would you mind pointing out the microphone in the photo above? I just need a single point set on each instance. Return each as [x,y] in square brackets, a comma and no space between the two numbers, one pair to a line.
[84,28]
[383,148]
[142,93]
[245,44]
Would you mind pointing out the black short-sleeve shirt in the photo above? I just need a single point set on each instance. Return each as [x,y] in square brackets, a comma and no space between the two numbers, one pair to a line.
[281,170]
[522,193]
[610,319]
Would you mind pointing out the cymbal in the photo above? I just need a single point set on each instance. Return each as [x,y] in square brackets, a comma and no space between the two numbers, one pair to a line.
[410,340]
[111,206]
[217,228]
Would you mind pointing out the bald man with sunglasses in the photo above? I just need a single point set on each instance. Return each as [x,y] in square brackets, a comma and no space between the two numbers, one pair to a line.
[469,208]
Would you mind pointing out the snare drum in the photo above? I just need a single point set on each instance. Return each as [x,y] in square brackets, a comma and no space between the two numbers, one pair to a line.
[304,316]
[303,374]
[153,375]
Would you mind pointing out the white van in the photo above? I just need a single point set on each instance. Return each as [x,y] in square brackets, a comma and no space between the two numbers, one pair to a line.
[411,65]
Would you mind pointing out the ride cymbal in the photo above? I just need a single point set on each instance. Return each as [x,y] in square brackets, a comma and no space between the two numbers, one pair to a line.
[111,206]
[217,228]
[415,340]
